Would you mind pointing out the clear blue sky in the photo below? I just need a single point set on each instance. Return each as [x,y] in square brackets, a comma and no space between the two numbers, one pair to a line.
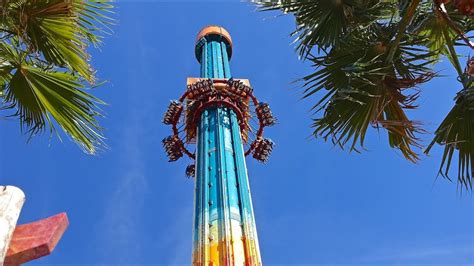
[314,203]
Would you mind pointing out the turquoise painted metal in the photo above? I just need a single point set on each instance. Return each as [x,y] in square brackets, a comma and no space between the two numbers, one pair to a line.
[224,226]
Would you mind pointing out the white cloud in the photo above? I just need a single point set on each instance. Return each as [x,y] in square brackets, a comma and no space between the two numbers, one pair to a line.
[124,208]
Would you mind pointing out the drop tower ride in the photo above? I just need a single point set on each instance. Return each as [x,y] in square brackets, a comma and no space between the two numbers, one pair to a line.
[226,121]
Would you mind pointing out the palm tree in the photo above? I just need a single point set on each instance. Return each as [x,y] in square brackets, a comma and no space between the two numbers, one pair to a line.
[370,56]
[44,66]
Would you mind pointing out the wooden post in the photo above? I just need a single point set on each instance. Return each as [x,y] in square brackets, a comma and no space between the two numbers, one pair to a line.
[11,202]
[35,240]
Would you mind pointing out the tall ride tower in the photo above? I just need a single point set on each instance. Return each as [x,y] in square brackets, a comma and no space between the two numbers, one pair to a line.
[226,122]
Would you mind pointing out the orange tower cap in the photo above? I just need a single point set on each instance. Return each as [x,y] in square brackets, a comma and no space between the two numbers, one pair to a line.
[214,30]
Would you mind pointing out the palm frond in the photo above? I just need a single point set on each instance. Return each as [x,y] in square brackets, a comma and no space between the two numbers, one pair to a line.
[438,33]
[39,96]
[323,23]
[369,58]
[456,133]
[363,90]
[95,19]
[60,29]
[44,65]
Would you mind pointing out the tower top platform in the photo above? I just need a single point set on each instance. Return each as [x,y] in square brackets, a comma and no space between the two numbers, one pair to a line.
[214,30]
[209,32]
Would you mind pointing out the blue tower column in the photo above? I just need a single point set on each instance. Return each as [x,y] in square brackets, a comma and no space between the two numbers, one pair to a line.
[224,226]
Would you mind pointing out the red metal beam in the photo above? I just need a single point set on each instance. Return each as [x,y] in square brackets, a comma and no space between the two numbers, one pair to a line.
[35,240]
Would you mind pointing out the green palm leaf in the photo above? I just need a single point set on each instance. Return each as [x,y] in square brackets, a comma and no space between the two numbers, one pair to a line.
[44,65]
[369,58]
[39,96]
[456,133]
[438,33]
[323,23]
[60,29]
[362,90]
